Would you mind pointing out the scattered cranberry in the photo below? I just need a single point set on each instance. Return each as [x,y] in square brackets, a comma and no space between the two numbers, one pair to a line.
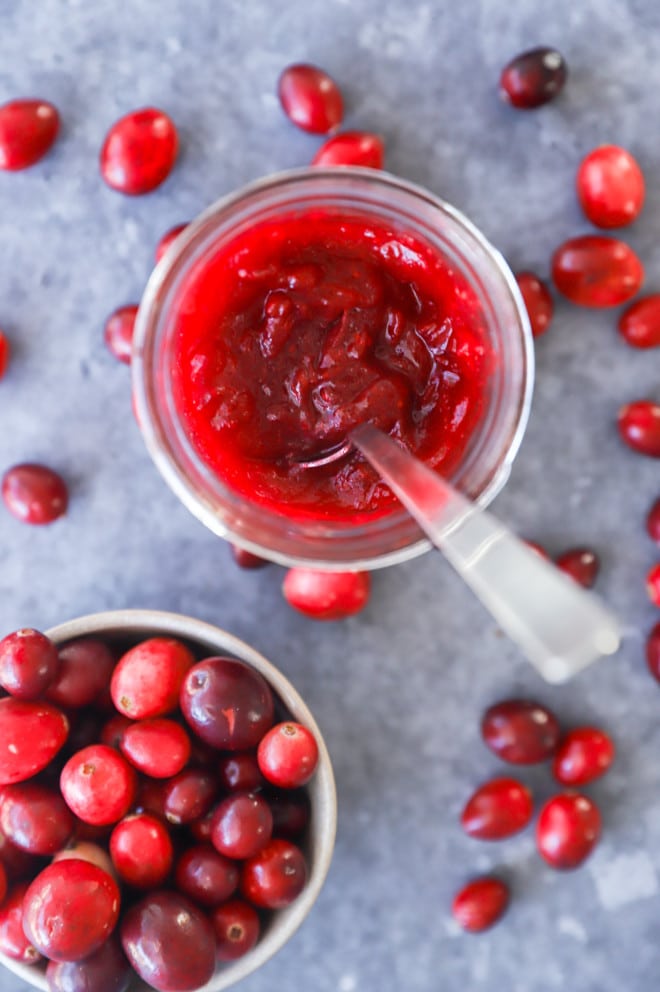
[639,325]
[653,522]
[98,785]
[35,818]
[34,494]
[653,584]
[13,941]
[31,734]
[276,876]
[497,809]
[205,876]
[118,332]
[291,812]
[480,904]
[242,825]
[139,151]
[653,652]
[351,148]
[610,186]
[567,830]
[595,271]
[582,564]
[148,677]
[310,98]
[85,669]
[288,755]
[5,351]
[582,756]
[240,772]
[167,240]
[237,927]
[326,595]
[245,559]
[538,302]
[28,129]
[141,850]
[227,703]
[189,795]
[107,970]
[533,78]
[639,427]
[28,663]
[520,731]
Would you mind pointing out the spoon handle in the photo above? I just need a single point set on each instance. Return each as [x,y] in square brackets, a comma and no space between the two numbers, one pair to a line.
[559,626]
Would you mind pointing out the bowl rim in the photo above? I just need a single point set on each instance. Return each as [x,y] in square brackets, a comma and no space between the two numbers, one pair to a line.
[322,785]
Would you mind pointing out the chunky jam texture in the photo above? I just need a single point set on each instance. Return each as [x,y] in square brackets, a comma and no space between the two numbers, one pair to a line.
[301,328]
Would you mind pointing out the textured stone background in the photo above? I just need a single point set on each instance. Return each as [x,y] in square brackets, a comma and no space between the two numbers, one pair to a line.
[399,689]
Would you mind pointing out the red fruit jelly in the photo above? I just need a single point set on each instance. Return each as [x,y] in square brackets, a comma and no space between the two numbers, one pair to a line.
[301,328]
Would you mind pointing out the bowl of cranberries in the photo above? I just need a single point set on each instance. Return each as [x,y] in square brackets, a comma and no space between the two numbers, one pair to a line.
[167,805]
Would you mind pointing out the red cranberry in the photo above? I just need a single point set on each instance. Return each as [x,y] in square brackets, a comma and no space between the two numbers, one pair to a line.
[16,863]
[34,818]
[242,825]
[13,941]
[533,78]
[107,970]
[582,564]
[98,784]
[653,652]
[85,669]
[595,271]
[227,703]
[288,755]
[653,584]
[205,876]
[639,325]
[583,755]
[291,811]
[118,332]
[567,830]
[480,904]
[5,351]
[237,927]
[141,850]
[520,731]
[139,151]
[31,734]
[147,679]
[274,877]
[151,797]
[310,98]
[169,942]
[28,663]
[113,731]
[70,909]
[189,795]
[159,748]
[497,809]
[326,595]
[168,239]
[245,559]
[3,882]
[610,186]
[538,302]
[639,427]
[28,129]
[351,148]
[240,772]
[34,494]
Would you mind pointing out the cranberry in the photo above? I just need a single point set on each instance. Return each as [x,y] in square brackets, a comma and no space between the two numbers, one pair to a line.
[139,151]
[538,302]
[351,148]
[201,827]
[31,734]
[113,731]
[34,818]
[595,271]
[288,755]
[3,882]
[107,970]
[141,850]
[274,877]
[147,679]
[5,351]
[533,78]
[98,784]
[86,850]
[237,927]
[70,909]
[653,652]
[13,941]
[310,98]
[639,325]
[480,904]
[538,548]
[85,669]
[28,663]
[189,795]
[167,240]
[15,862]
[34,494]
[497,809]
[582,564]
[245,559]
[653,584]
[118,332]
[242,825]
[326,595]
[567,830]
[227,703]
[28,129]
[291,812]
[151,797]
[169,942]
[159,748]
[240,772]
[520,731]
[610,186]
[583,755]
[205,876]
[639,427]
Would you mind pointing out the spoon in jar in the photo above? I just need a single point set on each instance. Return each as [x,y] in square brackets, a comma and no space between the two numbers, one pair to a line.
[559,626]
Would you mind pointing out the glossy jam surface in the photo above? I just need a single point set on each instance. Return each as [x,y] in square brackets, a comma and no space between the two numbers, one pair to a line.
[303,327]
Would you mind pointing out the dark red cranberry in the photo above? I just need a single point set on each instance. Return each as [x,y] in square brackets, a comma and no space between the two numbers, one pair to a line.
[28,663]
[151,797]
[98,784]
[139,151]
[538,302]
[653,652]
[245,559]
[497,809]
[159,747]
[147,679]
[201,827]
[480,904]
[326,595]
[242,825]
[4,884]
[351,148]
[31,733]
[85,669]
[276,876]
[595,271]
[639,325]
[13,941]
[237,927]
[28,129]
[639,427]
[35,818]
[240,772]
[310,98]
[118,332]
[288,755]
[653,584]
[113,731]
[582,564]
[291,811]
[567,830]
[227,703]
[5,351]
[520,731]
[189,795]
[107,970]
[34,494]
[583,755]
[141,850]
[16,863]
[205,876]
[610,186]
[168,239]
[533,78]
